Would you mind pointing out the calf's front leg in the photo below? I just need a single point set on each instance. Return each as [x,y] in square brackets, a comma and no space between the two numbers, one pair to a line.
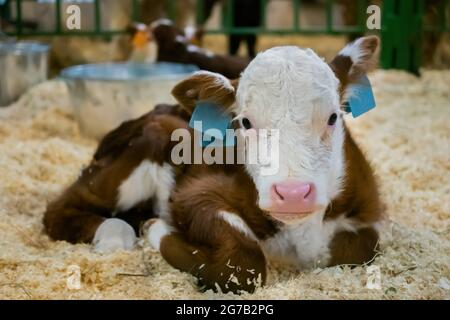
[354,247]
[230,261]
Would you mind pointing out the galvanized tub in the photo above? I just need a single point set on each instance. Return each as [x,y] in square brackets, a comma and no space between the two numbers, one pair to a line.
[104,95]
[22,65]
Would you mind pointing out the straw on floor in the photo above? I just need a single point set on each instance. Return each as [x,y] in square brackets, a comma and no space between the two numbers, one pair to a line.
[406,137]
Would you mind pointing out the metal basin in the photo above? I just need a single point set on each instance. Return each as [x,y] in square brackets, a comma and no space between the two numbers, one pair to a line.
[22,65]
[105,95]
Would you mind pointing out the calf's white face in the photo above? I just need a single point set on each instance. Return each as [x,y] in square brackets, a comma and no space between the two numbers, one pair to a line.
[294,92]
[296,96]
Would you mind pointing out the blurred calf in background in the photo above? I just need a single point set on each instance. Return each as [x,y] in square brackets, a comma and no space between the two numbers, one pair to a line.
[175,45]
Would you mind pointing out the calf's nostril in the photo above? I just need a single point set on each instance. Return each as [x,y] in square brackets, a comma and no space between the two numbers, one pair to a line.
[277,193]
[307,191]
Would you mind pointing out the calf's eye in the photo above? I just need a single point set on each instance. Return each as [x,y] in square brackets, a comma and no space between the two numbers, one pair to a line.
[246,123]
[332,119]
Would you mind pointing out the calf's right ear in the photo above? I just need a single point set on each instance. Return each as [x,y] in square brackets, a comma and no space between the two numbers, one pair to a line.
[205,86]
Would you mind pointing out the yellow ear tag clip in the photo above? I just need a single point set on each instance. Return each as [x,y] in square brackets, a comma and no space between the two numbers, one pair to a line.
[141,38]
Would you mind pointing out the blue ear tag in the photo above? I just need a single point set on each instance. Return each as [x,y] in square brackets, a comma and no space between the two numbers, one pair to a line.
[361,97]
[211,125]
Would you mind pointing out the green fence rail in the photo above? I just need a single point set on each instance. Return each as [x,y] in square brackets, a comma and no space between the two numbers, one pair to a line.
[402,30]
[228,27]
[97,30]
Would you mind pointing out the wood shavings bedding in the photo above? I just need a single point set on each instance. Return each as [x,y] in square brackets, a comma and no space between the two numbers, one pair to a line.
[406,137]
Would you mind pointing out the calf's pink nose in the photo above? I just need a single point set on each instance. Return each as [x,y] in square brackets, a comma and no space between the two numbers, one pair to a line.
[293,197]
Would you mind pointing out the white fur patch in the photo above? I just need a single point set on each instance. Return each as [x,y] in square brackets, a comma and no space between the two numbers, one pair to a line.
[190,31]
[353,50]
[157,231]
[112,235]
[294,91]
[237,223]
[148,180]
[193,48]
[161,22]
[180,39]
[307,245]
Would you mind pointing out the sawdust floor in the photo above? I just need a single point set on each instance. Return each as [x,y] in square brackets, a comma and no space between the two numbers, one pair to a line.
[407,139]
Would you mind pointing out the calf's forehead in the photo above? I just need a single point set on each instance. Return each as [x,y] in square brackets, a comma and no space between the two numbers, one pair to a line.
[287,79]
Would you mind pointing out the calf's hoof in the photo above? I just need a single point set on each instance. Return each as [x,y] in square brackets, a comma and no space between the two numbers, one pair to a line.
[154,230]
[112,235]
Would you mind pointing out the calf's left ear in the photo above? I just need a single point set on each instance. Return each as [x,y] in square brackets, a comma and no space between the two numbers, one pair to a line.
[355,60]
[205,86]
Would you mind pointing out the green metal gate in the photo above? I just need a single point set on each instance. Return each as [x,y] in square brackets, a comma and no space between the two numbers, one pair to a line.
[19,30]
[402,29]
[297,27]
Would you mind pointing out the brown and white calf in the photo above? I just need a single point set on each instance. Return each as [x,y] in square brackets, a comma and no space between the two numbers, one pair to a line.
[222,222]
[321,208]
[162,41]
